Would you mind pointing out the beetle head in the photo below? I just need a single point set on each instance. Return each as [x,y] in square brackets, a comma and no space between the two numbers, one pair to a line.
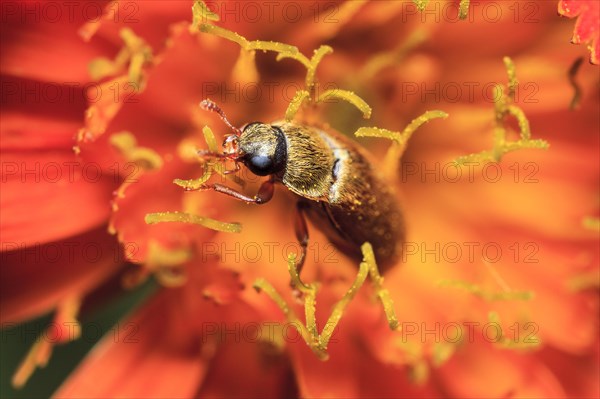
[259,146]
[263,148]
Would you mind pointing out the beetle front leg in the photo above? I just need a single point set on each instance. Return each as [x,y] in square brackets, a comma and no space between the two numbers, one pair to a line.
[264,195]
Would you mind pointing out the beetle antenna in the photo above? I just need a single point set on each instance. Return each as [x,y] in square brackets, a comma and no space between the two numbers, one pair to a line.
[210,105]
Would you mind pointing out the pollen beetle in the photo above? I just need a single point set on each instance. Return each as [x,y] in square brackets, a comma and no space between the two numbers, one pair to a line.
[335,183]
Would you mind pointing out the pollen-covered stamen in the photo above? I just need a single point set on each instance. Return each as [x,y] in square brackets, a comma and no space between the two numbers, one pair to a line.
[514,342]
[504,107]
[591,223]
[139,160]
[400,139]
[202,14]
[505,294]
[146,158]
[89,29]
[309,332]
[485,294]
[463,8]
[195,184]
[311,84]
[295,104]
[128,71]
[380,292]
[389,58]
[245,67]
[349,97]
[168,264]
[134,55]
[64,328]
[181,217]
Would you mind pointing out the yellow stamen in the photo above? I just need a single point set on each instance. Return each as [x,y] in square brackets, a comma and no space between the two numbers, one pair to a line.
[442,352]
[245,70]
[512,77]
[318,55]
[38,356]
[295,104]
[159,256]
[201,14]
[245,43]
[382,293]
[180,217]
[210,139]
[129,80]
[419,372]
[340,306]
[347,96]
[195,184]
[517,341]
[146,158]
[99,115]
[262,285]
[503,107]
[388,58]
[167,264]
[65,324]
[89,29]
[421,4]
[309,331]
[591,223]
[584,282]
[400,139]
[463,9]
[66,316]
[135,52]
[310,65]
[485,294]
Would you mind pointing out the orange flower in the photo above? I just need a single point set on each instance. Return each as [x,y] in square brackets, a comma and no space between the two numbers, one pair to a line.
[496,294]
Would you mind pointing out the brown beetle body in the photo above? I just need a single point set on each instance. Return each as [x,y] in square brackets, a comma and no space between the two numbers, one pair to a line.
[334,179]
[345,197]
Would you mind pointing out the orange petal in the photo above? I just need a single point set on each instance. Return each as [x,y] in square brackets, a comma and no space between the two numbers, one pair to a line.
[586,27]
[479,370]
[37,114]
[153,354]
[51,195]
[139,200]
[36,46]
[35,279]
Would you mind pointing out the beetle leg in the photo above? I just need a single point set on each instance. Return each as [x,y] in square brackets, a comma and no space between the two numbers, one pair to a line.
[301,233]
[264,195]
[302,236]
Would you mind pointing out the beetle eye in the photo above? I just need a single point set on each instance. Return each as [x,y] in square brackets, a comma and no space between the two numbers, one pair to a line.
[260,165]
